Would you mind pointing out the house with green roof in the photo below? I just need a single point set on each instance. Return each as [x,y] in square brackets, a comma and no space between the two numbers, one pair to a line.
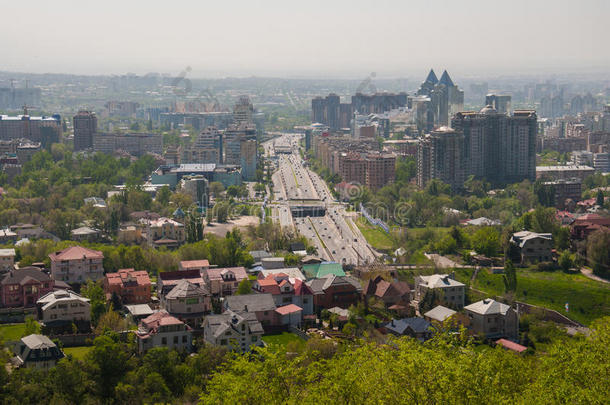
[319,270]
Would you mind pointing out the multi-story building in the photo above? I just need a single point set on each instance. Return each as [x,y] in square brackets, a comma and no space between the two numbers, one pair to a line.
[188,302]
[237,331]
[601,162]
[23,287]
[286,290]
[58,308]
[564,172]
[122,108]
[248,159]
[262,305]
[37,351]
[46,130]
[131,286]
[165,232]
[500,102]
[532,247]
[77,264]
[243,110]
[563,190]
[446,98]
[207,147]
[85,126]
[224,281]
[380,170]
[233,137]
[163,330]
[492,319]
[441,156]
[197,187]
[15,98]
[169,279]
[335,291]
[449,291]
[136,144]
[200,265]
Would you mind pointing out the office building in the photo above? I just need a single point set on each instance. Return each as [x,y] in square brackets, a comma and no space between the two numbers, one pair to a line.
[446,98]
[46,130]
[85,126]
[207,148]
[248,159]
[123,109]
[197,187]
[501,102]
[243,110]
[232,142]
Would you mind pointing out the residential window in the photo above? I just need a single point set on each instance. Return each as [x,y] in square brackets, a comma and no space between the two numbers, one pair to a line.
[223,342]
[175,340]
[254,338]
[184,339]
[164,341]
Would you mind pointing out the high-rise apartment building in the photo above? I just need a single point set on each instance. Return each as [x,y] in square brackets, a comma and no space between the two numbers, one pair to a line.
[441,156]
[46,130]
[501,102]
[232,139]
[85,126]
[207,148]
[248,159]
[15,98]
[243,110]
[136,144]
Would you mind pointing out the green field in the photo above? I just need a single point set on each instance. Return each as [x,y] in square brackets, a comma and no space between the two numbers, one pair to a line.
[588,299]
[282,339]
[12,332]
[374,235]
[77,352]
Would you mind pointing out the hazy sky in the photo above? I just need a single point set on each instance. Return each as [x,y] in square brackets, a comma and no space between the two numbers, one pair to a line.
[312,37]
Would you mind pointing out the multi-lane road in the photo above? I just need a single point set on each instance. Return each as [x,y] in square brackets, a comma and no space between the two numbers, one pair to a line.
[330,229]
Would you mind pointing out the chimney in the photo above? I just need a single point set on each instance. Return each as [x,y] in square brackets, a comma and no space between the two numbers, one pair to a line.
[392,321]
[246,307]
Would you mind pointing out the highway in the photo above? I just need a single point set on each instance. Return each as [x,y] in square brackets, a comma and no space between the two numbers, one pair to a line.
[334,234]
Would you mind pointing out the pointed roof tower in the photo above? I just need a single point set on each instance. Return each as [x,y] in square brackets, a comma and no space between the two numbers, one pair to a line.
[431,77]
[446,80]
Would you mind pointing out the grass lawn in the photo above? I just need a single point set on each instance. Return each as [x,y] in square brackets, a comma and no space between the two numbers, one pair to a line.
[375,235]
[588,299]
[282,339]
[78,352]
[11,332]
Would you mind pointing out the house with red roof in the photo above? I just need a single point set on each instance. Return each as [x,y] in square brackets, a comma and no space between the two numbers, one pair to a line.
[132,286]
[286,290]
[200,265]
[77,264]
[163,330]
[224,281]
[23,287]
[167,280]
[395,292]
[510,345]
[586,224]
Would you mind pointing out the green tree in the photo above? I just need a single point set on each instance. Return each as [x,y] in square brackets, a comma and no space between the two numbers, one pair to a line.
[598,253]
[566,260]
[31,326]
[94,291]
[486,240]
[107,363]
[216,188]
[510,276]
[599,199]
[245,287]
[163,195]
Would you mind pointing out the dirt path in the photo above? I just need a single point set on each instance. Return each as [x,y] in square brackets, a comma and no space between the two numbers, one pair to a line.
[589,273]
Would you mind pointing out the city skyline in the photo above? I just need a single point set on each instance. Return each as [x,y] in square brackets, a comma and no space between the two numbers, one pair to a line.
[317,39]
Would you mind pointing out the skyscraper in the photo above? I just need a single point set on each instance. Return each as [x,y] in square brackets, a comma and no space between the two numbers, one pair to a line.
[243,110]
[501,102]
[446,98]
[85,126]
[441,156]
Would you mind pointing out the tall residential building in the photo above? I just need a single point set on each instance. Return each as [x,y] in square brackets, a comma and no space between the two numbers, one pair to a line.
[207,148]
[248,159]
[46,130]
[15,98]
[233,137]
[441,156]
[85,126]
[446,98]
[136,144]
[243,110]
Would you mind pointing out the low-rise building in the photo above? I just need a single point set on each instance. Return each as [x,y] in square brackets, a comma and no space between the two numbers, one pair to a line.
[7,260]
[77,264]
[163,330]
[492,319]
[224,281]
[167,280]
[132,286]
[23,287]
[262,305]
[60,309]
[335,291]
[532,247]
[292,272]
[417,328]
[237,331]
[85,234]
[200,265]
[188,302]
[37,351]
[390,293]
[165,232]
[439,314]
[449,291]
[286,290]
[323,269]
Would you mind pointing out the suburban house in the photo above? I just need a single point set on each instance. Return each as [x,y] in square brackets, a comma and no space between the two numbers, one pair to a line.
[58,310]
[262,305]
[492,319]
[289,315]
[77,264]
[23,287]
[201,265]
[439,314]
[129,235]
[449,291]
[272,263]
[224,281]
[163,330]
[7,260]
[165,232]
[37,351]
[7,236]
[532,247]
[167,280]
[292,272]
[237,331]
[389,292]
[286,290]
[586,224]
[132,286]
[319,270]
[85,234]
[137,312]
[335,291]
[258,255]
[188,302]
[417,328]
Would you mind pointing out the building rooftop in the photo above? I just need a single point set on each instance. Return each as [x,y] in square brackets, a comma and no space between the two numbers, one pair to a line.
[399,326]
[250,302]
[52,297]
[440,281]
[185,289]
[440,313]
[38,342]
[76,253]
[488,306]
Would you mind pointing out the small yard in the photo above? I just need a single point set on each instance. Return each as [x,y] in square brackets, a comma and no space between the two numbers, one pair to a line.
[78,352]
[12,332]
[282,339]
